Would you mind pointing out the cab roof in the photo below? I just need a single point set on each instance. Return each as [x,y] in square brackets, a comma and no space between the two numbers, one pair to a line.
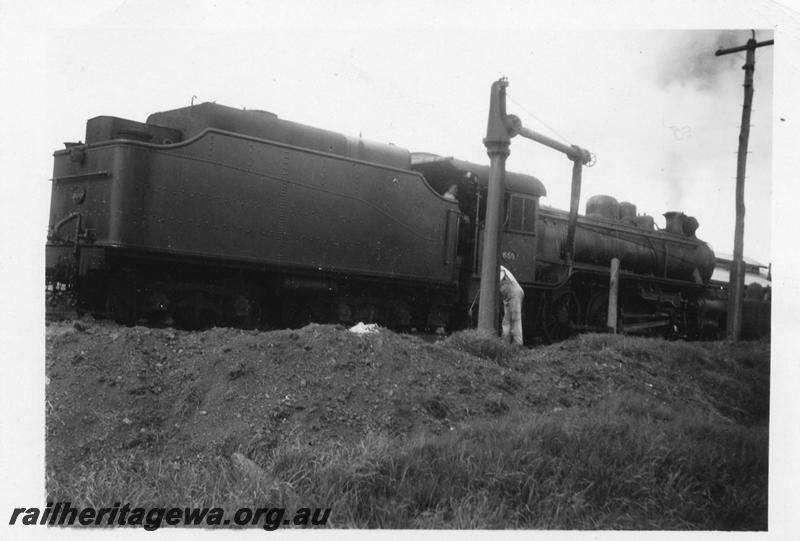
[442,171]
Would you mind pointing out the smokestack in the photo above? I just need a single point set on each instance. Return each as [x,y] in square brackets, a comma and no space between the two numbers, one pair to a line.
[679,223]
[675,222]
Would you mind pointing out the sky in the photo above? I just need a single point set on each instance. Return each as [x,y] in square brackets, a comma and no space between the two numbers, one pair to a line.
[656,107]
[634,82]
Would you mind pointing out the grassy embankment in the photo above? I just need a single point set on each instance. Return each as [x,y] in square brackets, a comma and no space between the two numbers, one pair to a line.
[630,460]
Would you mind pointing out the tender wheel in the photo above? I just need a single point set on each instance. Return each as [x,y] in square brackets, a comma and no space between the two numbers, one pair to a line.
[121,307]
[561,316]
[194,310]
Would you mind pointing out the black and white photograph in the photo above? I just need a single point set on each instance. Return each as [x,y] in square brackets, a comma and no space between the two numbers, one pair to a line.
[457,267]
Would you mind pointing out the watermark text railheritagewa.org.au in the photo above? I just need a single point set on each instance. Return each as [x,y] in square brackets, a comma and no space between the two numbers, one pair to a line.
[64,514]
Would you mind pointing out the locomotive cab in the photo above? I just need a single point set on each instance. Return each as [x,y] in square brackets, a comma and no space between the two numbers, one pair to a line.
[521,210]
[522,195]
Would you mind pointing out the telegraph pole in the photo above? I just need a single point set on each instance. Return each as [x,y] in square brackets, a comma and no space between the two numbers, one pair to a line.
[736,287]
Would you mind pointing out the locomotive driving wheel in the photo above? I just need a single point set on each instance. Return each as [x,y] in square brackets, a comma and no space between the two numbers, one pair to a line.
[561,315]
[597,311]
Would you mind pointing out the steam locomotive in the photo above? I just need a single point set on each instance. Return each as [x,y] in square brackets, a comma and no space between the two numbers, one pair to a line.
[210,215]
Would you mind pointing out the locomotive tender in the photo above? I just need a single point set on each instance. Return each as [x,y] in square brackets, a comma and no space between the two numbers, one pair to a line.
[211,215]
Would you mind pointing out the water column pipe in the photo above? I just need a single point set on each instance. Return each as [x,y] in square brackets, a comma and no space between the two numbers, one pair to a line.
[500,129]
[579,158]
[497,141]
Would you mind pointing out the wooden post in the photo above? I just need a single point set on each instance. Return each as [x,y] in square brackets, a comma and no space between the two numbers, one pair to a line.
[736,284]
[613,295]
[736,290]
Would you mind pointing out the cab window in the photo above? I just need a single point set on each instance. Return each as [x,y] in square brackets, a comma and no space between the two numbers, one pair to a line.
[521,214]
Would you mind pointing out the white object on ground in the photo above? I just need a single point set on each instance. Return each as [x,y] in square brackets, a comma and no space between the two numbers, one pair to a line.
[365,328]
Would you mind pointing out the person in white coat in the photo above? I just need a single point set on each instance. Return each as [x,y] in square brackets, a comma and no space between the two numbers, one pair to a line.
[512,295]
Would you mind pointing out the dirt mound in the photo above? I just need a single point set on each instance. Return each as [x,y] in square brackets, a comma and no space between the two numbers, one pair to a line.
[183,394]
[224,390]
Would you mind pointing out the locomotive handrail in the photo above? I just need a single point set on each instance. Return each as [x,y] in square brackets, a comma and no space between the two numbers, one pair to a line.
[206,131]
[82,176]
[55,236]
[589,223]
[603,271]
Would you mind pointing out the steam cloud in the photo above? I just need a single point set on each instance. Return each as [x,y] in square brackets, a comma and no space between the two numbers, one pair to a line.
[694,62]
[676,174]
[692,74]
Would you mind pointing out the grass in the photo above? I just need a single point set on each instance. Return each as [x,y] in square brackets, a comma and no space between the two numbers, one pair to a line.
[631,460]
[481,344]
[623,464]
[733,377]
